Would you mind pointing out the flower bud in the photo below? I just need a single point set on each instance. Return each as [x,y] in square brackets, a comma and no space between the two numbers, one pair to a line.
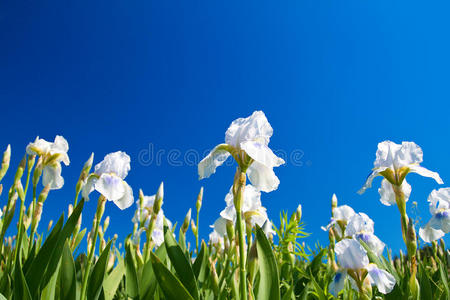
[5,161]
[334,202]
[298,213]
[69,210]
[411,238]
[37,171]
[158,199]
[19,189]
[442,244]
[230,230]
[20,169]
[106,224]
[50,224]
[44,193]
[198,204]
[194,228]
[186,221]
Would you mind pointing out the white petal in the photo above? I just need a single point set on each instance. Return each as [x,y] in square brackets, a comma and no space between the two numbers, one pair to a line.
[350,254]
[409,153]
[127,199]
[374,243]
[229,213]
[439,200]
[369,179]
[158,237]
[220,226]
[268,228]
[359,223]
[429,234]
[440,221]
[117,163]
[426,173]
[61,146]
[262,177]
[88,186]
[253,128]
[261,153]
[149,201]
[387,195]
[209,164]
[110,186]
[338,283]
[52,175]
[343,212]
[385,156]
[384,281]
[38,147]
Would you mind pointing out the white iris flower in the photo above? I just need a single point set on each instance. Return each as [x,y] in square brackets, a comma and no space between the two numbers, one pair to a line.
[439,223]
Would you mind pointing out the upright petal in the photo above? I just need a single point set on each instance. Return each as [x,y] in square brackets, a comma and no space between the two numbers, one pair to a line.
[374,243]
[351,255]
[262,177]
[209,164]
[359,223]
[384,281]
[253,128]
[117,163]
[61,146]
[408,154]
[110,186]
[343,212]
[439,200]
[220,226]
[127,199]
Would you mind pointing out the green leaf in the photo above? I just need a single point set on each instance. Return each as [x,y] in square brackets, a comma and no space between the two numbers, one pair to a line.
[112,281]
[34,274]
[147,284]
[269,285]
[131,281]
[67,275]
[180,263]
[444,278]
[98,274]
[172,288]
[425,286]
[201,264]
[21,291]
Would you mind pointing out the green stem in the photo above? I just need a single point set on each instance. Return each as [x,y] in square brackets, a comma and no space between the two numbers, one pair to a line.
[19,234]
[149,232]
[98,217]
[239,198]
[196,236]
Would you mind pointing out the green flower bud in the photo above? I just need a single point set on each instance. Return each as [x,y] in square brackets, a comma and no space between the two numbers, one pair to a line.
[198,204]
[158,199]
[186,221]
[5,161]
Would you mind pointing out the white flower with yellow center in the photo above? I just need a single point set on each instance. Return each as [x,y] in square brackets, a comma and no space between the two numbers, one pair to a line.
[247,140]
[52,155]
[108,180]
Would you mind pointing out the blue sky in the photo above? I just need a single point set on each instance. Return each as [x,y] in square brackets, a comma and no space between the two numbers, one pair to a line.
[334,79]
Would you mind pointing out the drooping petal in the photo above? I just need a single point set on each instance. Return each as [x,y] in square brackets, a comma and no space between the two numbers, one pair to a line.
[384,281]
[338,283]
[350,254]
[262,177]
[429,234]
[127,199]
[370,178]
[268,228]
[440,221]
[117,163]
[52,175]
[359,223]
[88,186]
[220,226]
[374,243]
[253,128]
[209,164]
[426,173]
[387,195]
[229,213]
[110,186]
[262,154]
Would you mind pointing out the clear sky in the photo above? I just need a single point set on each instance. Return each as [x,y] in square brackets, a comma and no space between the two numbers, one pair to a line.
[333,77]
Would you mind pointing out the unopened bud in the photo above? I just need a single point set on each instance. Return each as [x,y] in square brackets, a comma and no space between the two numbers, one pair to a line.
[411,238]
[141,199]
[50,224]
[37,171]
[44,193]
[334,202]
[230,230]
[442,244]
[106,224]
[198,204]
[19,189]
[5,161]
[20,169]
[298,213]
[89,241]
[69,210]
[31,161]
[194,228]
[158,199]
[187,220]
